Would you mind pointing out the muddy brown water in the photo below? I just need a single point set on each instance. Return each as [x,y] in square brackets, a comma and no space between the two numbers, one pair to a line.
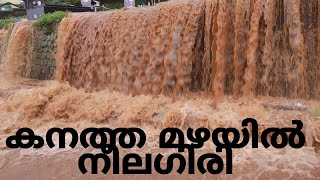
[165,66]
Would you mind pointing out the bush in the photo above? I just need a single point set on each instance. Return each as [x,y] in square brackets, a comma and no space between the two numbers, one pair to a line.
[5,23]
[48,21]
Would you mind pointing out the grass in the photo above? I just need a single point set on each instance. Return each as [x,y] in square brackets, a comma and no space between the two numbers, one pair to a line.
[6,23]
[48,21]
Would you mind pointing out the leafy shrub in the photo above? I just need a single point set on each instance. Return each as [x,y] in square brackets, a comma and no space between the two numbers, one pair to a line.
[48,21]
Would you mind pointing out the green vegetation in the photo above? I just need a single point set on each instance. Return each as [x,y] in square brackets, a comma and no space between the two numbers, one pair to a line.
[105,4]
[6,23]
[113,5]
[64,2]
[117,4]
[49,21]
[139,2]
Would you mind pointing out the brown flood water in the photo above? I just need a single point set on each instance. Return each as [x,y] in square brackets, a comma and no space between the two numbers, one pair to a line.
[165,66]
[234,47]
[43,105]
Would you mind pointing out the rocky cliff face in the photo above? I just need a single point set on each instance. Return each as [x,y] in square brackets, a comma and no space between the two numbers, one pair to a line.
[43,62]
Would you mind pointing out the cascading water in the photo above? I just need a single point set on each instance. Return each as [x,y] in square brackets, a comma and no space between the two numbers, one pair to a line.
[146,51]
[265,52]
[220,47]
[243,47]
[15,55]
